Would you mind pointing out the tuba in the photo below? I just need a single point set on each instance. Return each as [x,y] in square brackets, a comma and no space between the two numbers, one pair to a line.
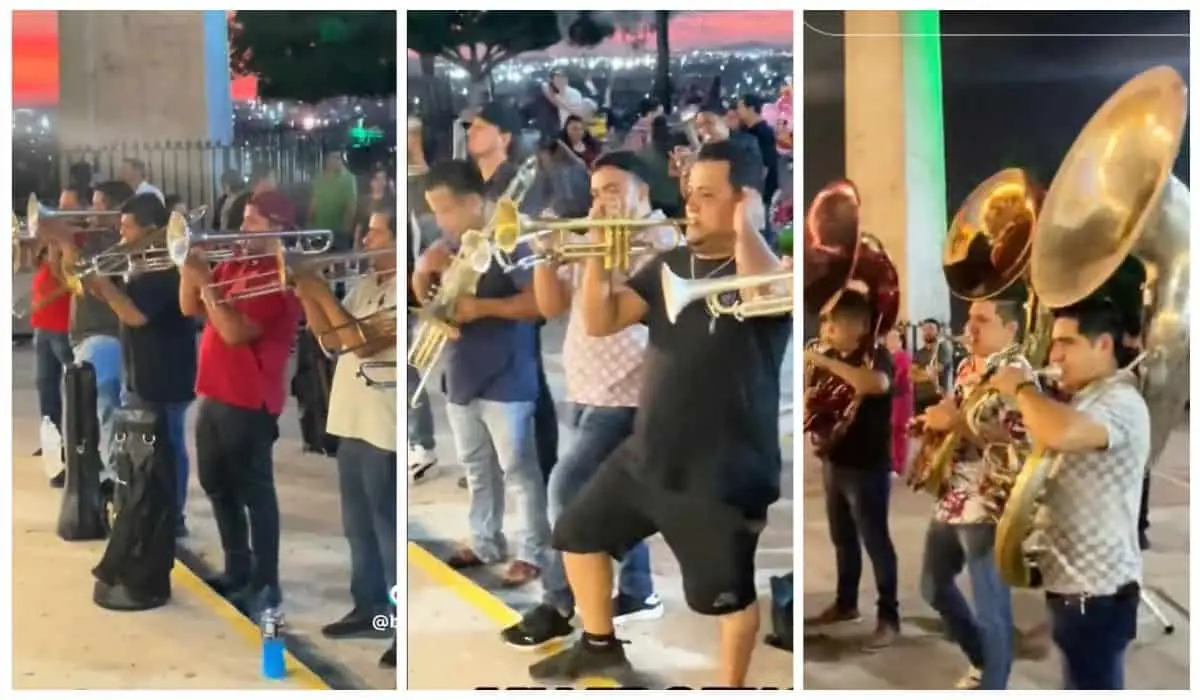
[986,252]
[1114,198]
[839,256]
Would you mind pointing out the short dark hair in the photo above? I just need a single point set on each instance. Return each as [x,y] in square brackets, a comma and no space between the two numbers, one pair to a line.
[753,102]
[459,176]
[147,210]
[745,166]
[852,306]
[625,161]
[1098,316]
[933,321]
[115,192]
[1010,311]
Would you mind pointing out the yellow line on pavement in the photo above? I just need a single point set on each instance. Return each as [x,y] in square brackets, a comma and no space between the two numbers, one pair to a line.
[187,579]
[482,600]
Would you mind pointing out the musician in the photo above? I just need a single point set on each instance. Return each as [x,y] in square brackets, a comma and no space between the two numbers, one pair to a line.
[50,318]
[857,470]
[95,330]
[364,419]
[1092,567]
[603,378]
[932,366]
[243,355]
[703,463]
[158,343]
[962,532]
[491,383]
[489,143]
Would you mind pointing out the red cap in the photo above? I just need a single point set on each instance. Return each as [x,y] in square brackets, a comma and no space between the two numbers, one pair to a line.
[277,207]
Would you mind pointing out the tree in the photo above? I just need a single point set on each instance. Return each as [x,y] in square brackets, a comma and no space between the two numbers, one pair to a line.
[477,41]
[313,56]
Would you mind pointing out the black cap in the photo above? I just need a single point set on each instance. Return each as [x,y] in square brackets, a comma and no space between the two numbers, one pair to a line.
[624,160]
[500,117]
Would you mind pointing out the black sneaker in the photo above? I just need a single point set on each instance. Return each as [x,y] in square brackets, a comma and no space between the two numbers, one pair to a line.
[540,626]
[388,660]
[580,660]
[229,587]
[627,608]
[60,480]
[357,624]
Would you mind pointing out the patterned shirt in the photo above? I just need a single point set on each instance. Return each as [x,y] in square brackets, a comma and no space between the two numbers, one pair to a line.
[1090,506]
[608,371]
[961,502]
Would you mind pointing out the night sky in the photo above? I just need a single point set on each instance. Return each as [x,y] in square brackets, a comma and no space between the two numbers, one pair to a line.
[1008,101]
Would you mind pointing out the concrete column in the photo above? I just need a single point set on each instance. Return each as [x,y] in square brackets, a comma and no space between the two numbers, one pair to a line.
[145,78]
[895,151]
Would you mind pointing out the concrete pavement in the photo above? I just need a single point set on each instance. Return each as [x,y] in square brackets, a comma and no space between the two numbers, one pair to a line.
[924,660]
[679,649]
[314,571]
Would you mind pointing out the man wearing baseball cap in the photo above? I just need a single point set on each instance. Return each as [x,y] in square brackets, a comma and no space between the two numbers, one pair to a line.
[244,351]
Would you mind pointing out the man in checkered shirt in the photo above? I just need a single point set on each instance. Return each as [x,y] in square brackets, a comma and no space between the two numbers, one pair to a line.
[1092,567]
[963,530]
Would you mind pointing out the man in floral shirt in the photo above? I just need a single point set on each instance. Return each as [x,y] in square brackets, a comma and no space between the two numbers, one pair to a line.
[963,531]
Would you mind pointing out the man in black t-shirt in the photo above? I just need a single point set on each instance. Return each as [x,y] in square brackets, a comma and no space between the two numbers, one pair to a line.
[703,463]
[158,343]
[857,470]
[749,112]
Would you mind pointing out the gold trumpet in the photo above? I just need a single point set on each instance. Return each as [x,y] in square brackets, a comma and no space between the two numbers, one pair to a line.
[378,324]
[679,293]
[621,238]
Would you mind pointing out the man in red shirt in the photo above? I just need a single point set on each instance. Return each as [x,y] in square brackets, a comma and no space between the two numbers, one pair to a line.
[243,356]
[50,318]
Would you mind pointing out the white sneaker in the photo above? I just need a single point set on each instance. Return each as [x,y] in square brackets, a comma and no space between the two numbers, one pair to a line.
[971,680]
[420,462]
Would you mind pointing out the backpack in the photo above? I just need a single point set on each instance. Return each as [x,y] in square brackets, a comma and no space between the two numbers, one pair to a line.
[310,386]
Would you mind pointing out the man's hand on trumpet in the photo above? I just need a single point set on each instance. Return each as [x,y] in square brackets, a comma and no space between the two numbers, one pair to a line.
[1008,380]
[942,417]
[467,309]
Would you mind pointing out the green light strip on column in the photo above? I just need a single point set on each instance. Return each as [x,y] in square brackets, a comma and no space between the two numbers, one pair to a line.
[923,90]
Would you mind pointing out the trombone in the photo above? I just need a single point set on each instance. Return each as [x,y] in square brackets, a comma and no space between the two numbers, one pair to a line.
[377,324]
[36,213]
[620,243]
[182,241]
[679,293]
[333,267]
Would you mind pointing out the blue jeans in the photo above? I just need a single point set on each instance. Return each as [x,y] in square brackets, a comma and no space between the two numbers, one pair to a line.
[598,430]
[1092,636]
[856,504]
[367,486]
[420,419]
[52,351]
[986,636]
[103,353]
[495,444]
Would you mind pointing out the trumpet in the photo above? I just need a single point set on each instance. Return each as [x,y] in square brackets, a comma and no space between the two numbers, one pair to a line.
[550,238]
[182,240]
[378,324]
[679,293]
[364,373]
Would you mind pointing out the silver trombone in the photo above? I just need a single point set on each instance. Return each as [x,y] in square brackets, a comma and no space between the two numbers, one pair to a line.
[366,369]
[36,213]
[679,293]
[182,241]
[332,267]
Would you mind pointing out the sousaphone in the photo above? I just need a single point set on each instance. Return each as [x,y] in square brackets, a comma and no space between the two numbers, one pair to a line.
[1114,199]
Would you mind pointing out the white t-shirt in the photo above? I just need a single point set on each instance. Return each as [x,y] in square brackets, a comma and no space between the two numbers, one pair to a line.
[147,187]
[572,97]
[356,410]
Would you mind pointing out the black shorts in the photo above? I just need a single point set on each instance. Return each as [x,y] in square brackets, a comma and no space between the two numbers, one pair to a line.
[714,542]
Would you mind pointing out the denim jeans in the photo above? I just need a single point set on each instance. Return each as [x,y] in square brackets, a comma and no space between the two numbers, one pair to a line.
[985,636]
[103,353]
[598,430]
[367,487]
[1092,637]
[52,351]
[235,467]
[856,504]
[420,419]
[495,444]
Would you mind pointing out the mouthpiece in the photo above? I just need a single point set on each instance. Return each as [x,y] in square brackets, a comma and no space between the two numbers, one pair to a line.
[1050,373]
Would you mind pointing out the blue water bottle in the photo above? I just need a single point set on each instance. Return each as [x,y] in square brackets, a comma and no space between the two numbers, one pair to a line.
[273,666]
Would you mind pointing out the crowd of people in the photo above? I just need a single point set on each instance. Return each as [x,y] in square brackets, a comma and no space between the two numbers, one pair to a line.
[652,449]
[162,338]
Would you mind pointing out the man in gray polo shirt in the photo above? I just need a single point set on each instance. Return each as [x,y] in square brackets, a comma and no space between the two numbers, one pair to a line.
[95,331]
[1092,566]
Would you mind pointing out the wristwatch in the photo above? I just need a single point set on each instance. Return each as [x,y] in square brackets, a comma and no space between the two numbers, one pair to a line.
[1027,384]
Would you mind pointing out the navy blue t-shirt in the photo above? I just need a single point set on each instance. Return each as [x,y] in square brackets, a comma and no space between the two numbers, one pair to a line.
[494,359]
[159,357]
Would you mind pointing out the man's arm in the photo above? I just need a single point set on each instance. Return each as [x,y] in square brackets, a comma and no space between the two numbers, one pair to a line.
[866,381]
[234,327]
[521,306]
[751,254]
[124,307]
[1059,426]
[333,326]
[607,307]
[191,281]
